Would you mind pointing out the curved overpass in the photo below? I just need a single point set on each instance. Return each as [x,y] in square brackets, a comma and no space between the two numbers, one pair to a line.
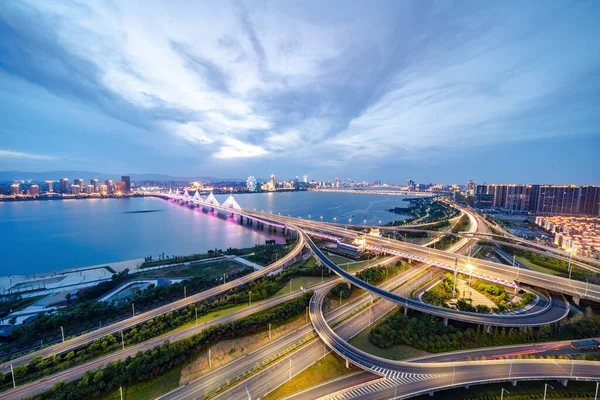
[407,379]
[545,315]
[486,270]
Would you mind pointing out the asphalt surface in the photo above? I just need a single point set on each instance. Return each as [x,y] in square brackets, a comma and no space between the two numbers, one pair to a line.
[117,327]
[411,378]
[484,269]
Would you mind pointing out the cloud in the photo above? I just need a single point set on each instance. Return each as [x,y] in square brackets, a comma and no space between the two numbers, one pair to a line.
[326,84]
[7,154]
[234,148]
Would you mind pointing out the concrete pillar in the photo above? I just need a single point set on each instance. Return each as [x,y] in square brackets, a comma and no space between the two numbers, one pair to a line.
[349,285]
[405,311]
[347,364]
[576,299]
[446,321]
[514,383]
[488,328]
[431,394]
[564,382]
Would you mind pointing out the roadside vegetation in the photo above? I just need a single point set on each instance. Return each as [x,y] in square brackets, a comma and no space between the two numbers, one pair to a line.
[423,210]
[428,333]
[440,294]
[261,289]
[156,362]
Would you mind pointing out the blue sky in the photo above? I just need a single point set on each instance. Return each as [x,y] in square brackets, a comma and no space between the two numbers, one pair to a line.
[434,91]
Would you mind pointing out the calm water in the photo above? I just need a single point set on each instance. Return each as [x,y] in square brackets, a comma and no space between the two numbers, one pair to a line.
[40,236]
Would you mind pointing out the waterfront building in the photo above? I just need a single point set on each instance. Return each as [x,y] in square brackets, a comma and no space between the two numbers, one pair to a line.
[34,190]
[103,190]
[127,183]
[64,185]
[89,189]
[76,189]
[49,187]
[79,182]
[305,178]
[15,189]
[119,187]
[272,184]
[94,183]
[109,186]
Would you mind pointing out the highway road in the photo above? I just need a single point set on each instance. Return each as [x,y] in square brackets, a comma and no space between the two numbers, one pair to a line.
[117,327]
[408,379]
[487,270]
[558,311]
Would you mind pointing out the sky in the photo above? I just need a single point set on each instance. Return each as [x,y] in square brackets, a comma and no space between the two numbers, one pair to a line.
[435,91]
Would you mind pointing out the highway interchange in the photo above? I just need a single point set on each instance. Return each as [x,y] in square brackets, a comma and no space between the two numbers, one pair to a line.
[435,375]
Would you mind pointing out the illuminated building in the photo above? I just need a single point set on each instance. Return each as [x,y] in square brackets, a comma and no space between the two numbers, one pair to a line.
[127,181]
[15,189]
[120,187]
[109,186]
[305,179]
[64,185]
[49,187]
[89,189]
[76,189]
[78,182]
[34,190]
[103,190]
[94,183]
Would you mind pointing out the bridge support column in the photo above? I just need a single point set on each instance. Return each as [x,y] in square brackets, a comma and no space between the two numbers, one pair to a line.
[347,364]
[405,311]
[349,286]
[576,299]
[514,383]
[516,290]
[446,321]
[488,329]
[431,394]
[564,382]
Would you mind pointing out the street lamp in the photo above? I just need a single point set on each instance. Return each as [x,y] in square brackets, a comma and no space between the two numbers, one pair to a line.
[546,389]
[470,267]
[502,393]
[570,251]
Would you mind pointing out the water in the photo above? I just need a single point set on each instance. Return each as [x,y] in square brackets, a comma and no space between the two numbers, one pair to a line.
[42,236]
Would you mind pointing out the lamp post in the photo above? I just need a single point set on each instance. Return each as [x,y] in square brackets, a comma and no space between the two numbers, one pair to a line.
[470,267]
[502,393]
[133,309]
[570,251]
[62,332]
[546,389]
[12,373]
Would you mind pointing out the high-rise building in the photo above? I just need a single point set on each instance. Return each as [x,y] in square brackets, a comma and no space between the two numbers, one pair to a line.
[34,190]
[590,201]
[337,183]
[89,189]
[49,187]
[94,183]
[75,189]
[103,190]
[15,189]
[120,187]
[305,178]
[127,181]
[272,183]
[471,186]
[109,186]
[558,200]
[64,185]
[251,183]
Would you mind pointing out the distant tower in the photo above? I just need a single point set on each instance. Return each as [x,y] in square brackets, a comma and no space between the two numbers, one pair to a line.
[127,181]
[337,183]
[15,189]
[49,186]
[273,186]
[64,185]
[34,190]
[305,178]
[78,182]
[94,183]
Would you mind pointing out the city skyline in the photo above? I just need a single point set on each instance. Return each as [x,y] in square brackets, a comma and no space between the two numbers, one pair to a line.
[488,92]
